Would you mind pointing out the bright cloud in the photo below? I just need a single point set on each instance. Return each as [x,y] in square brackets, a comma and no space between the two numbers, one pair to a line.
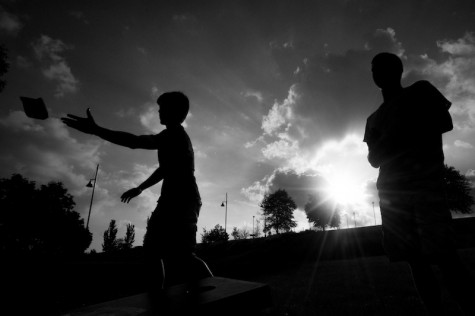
[150,119]
[462,47]
[385,40]
[258,189]
[463,144]
[280,114]
[254,94]
[49,51]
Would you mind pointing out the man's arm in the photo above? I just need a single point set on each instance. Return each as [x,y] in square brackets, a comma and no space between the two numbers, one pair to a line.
[374,155]
[379,149]
[89,126]
[154,178]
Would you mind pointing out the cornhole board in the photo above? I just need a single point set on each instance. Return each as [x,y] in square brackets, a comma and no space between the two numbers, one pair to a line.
[34,108]
[217,296]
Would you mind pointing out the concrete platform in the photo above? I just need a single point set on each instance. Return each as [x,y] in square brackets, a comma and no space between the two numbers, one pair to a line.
[215,296]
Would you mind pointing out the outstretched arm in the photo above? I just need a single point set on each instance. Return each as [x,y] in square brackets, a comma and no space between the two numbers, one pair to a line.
[89,126]
[156,177]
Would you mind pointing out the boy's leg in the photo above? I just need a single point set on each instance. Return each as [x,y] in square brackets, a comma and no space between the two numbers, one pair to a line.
[201,269]
[153,254]
[427,286]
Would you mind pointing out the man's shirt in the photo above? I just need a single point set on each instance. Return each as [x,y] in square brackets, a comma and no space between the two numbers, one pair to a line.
[404,136]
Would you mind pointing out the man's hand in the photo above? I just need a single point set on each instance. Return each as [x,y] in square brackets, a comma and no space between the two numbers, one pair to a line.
[83,124]
[130,194]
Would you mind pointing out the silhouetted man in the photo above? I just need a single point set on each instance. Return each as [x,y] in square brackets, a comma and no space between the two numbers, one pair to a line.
[170,240]
[404,138]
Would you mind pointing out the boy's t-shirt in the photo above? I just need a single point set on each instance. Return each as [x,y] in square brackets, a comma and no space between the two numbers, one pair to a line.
[179,194]
[412,125]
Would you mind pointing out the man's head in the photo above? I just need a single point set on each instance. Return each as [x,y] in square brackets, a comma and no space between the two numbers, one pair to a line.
[387,70]
[174,107]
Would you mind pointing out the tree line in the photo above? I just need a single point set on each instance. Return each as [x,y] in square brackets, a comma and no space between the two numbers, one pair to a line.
[277,210]
[42,220]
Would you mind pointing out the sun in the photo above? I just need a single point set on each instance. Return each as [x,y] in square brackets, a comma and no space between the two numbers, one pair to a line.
[344,189]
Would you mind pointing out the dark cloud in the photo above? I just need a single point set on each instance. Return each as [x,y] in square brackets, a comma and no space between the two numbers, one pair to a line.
[299,187]
[337,90]
[44,151]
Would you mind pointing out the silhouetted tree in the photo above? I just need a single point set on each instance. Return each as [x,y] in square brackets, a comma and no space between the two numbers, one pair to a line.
[129,238]
[321,212]
[335,221]
[242,233]
[235,233]
[278,208]
[39,221]
[458,189]
[111,243]
[216,234]
[4,66]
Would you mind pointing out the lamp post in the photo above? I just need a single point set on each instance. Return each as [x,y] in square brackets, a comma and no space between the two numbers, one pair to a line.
[253,231]
[374,214]
[225,204]
[93,186]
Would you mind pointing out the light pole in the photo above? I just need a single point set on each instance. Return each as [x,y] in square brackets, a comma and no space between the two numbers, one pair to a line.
[225,204]
[374,214]
[93,186]
[253,231]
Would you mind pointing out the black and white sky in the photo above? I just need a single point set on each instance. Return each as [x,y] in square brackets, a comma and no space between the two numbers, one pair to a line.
[280,92]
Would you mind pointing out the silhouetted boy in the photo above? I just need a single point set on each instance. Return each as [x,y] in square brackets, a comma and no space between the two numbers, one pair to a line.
[404,138]
[170,240]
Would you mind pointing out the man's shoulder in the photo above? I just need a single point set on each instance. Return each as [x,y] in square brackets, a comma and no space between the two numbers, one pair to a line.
[376,112]
[421,86]
[372,116]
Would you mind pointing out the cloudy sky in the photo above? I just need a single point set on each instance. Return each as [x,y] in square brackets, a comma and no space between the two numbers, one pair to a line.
[280,92]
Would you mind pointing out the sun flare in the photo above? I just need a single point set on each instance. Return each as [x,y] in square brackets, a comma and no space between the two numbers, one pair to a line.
[343,189]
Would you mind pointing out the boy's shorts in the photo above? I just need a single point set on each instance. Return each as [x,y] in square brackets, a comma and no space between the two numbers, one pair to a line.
[169,235]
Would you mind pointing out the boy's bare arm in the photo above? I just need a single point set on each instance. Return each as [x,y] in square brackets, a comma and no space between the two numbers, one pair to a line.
[154,178]
[89,126]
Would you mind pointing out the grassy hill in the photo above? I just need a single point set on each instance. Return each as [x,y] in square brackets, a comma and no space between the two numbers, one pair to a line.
[60,284]
[242,258]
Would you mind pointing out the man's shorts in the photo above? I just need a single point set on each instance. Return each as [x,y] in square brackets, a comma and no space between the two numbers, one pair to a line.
[416,224]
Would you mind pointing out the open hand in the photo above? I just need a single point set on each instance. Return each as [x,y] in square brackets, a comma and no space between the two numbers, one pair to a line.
[130,194]
[83,124]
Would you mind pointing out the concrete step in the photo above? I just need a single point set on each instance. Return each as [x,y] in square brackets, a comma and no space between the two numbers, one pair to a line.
[213,296]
